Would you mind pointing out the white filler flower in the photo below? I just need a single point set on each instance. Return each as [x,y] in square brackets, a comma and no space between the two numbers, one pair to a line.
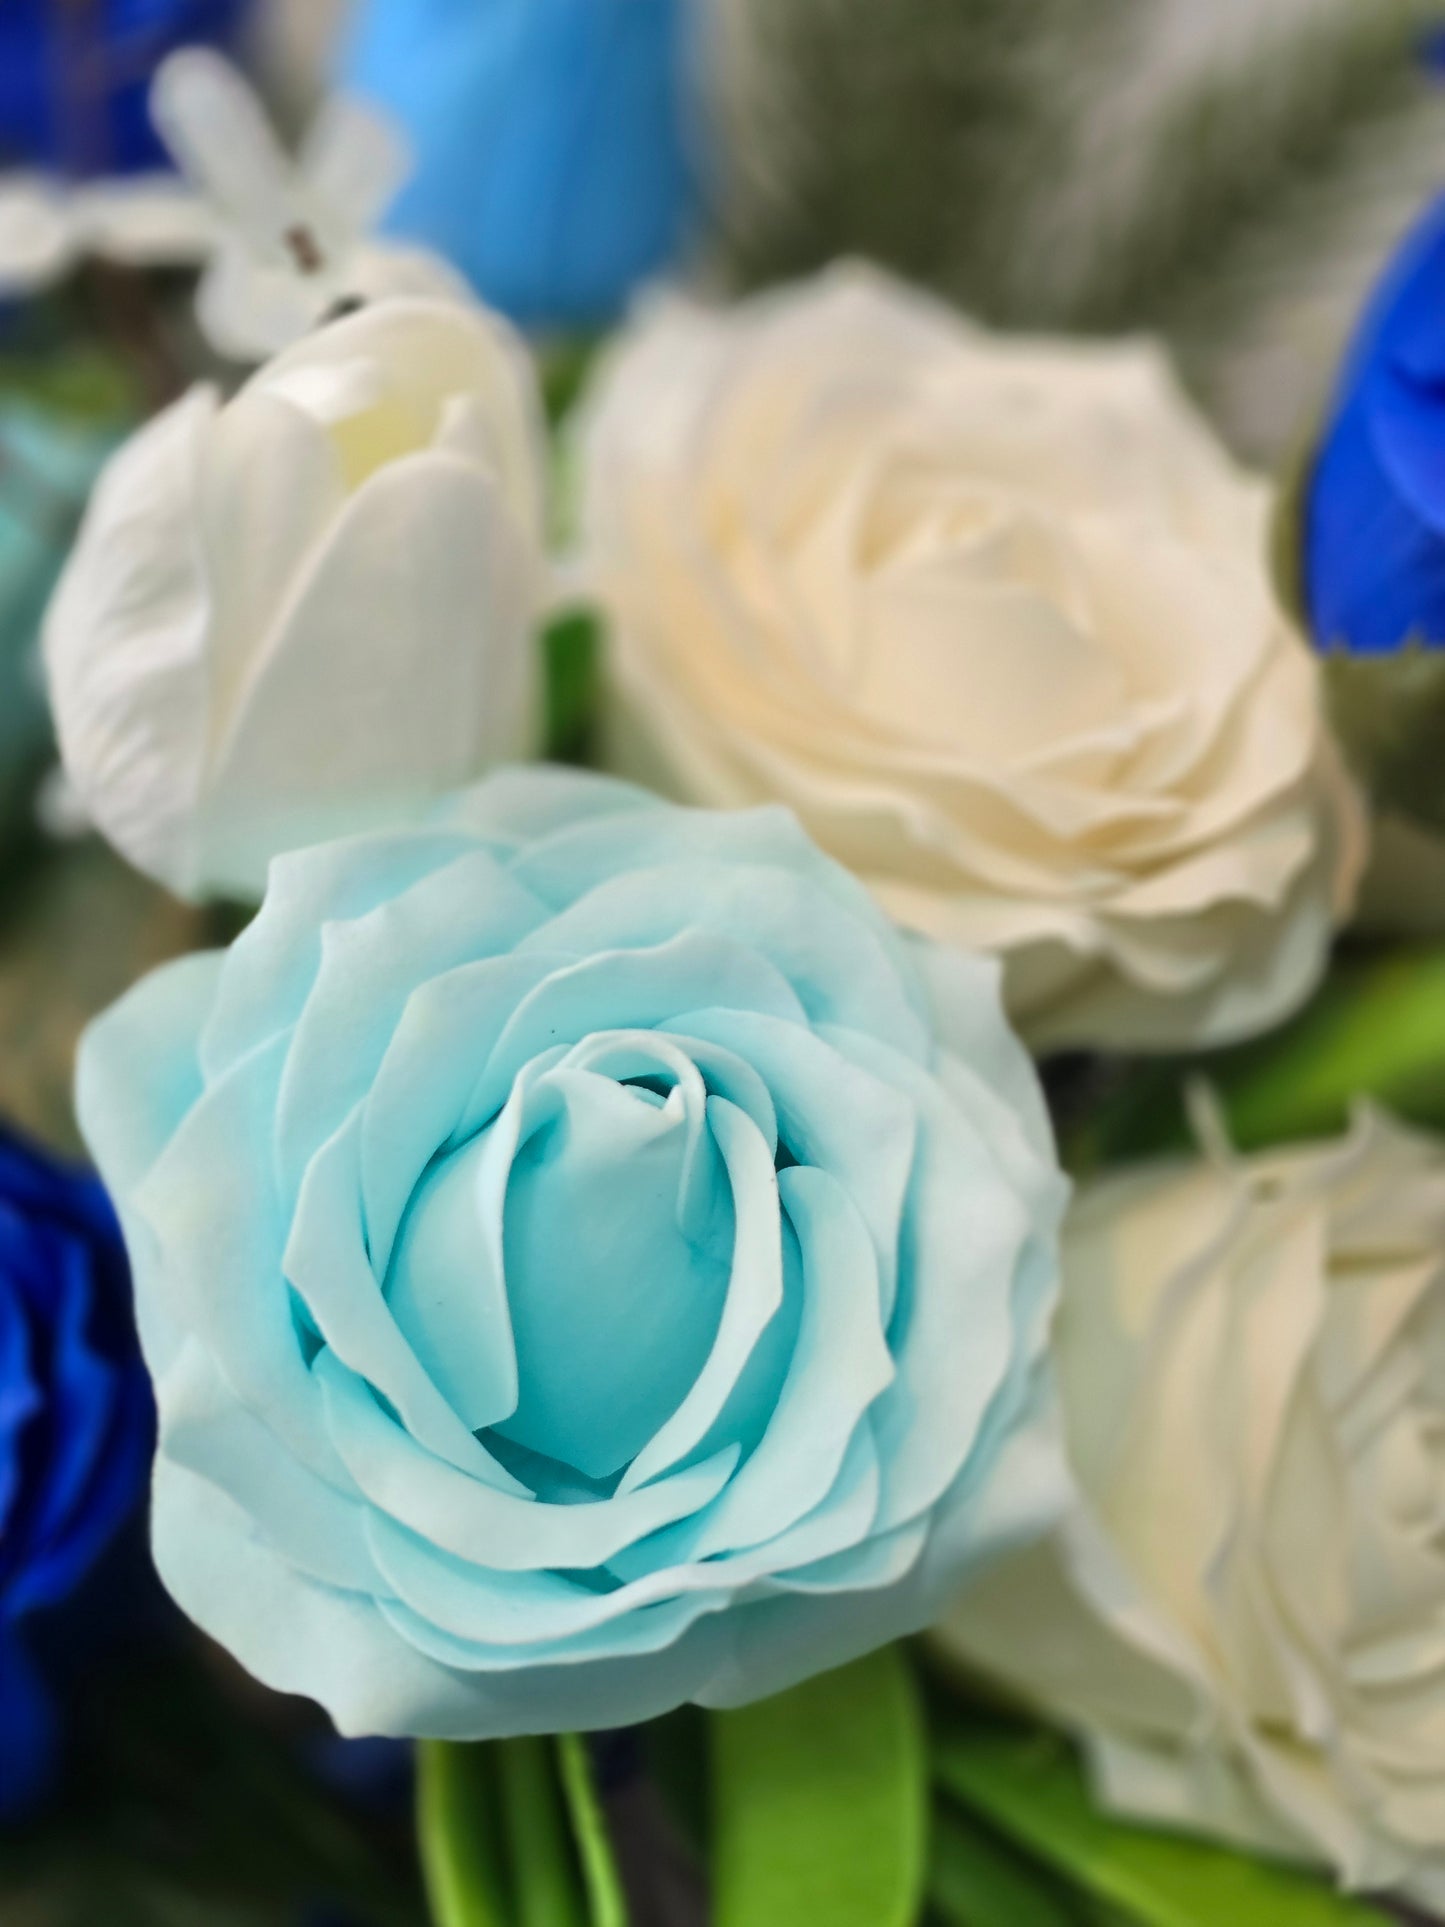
[283,242]
[293,237]
[140,221]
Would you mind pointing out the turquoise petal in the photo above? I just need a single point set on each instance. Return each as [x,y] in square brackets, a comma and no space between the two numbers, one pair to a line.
[572,857]
[271,967]
[418,1099]
[218,1226]
[754,1297]
[328,1267]
[842,970]
[840,1365]
[492,1613]
[521,807]
[136,1077]
[618,1231]
[318,1523]
[626,989]
[979,1200]
[476,1522]
[446,1284]
[589,1661]
[835,1113]
[369,967]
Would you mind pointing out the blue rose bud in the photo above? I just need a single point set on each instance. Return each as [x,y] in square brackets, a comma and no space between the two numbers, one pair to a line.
[1374,535]
[553,140]
[1371,535]
[75,1429]
[75,80]
[588,1260]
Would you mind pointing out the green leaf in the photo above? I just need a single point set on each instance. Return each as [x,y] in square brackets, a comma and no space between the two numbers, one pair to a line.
[495,1839]
[564,366]
[1376,1029]
[86,383]
[819,1802]
[606,1901]
[545,1888]
[976,1880]
[459,1835]
[1029,1786]
[571,651]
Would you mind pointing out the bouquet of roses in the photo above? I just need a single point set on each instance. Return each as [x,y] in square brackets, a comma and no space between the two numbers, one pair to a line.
[775,1205]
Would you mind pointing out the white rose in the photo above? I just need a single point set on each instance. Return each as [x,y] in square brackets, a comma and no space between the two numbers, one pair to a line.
[1246,1621]
[993,616]
[311,607]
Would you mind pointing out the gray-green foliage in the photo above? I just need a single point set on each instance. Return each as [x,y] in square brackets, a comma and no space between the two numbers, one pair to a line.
[1230,172]
[907,131]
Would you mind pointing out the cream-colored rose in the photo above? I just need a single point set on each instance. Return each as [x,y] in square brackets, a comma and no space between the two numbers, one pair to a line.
[993,616]
[1246,1619]
[310,608]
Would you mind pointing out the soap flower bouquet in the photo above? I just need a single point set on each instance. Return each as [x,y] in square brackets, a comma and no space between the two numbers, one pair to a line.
[880,1250]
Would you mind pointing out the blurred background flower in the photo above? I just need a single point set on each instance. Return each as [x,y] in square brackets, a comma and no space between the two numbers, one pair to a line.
[557,142]
[49,457]
[292,233]
[1364,555]
[75,1428]
[82,169]
[75,75]
[1231,176]
[1374,515]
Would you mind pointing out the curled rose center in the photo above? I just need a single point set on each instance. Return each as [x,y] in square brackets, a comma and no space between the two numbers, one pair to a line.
[562,1274]
[962,587]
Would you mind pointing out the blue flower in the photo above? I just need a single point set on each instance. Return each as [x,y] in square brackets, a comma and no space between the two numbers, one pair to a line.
[588,1261]
[554,141]
[75,80]
[1374,507]
[75,1428]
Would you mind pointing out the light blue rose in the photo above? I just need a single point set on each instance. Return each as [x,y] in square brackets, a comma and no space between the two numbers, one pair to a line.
[588,1261]
[555,141]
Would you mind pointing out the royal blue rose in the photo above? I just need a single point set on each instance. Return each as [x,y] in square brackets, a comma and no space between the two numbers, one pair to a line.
[75,1429]
[587,1259]
[75,80]
[554,141]
[1374,507]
